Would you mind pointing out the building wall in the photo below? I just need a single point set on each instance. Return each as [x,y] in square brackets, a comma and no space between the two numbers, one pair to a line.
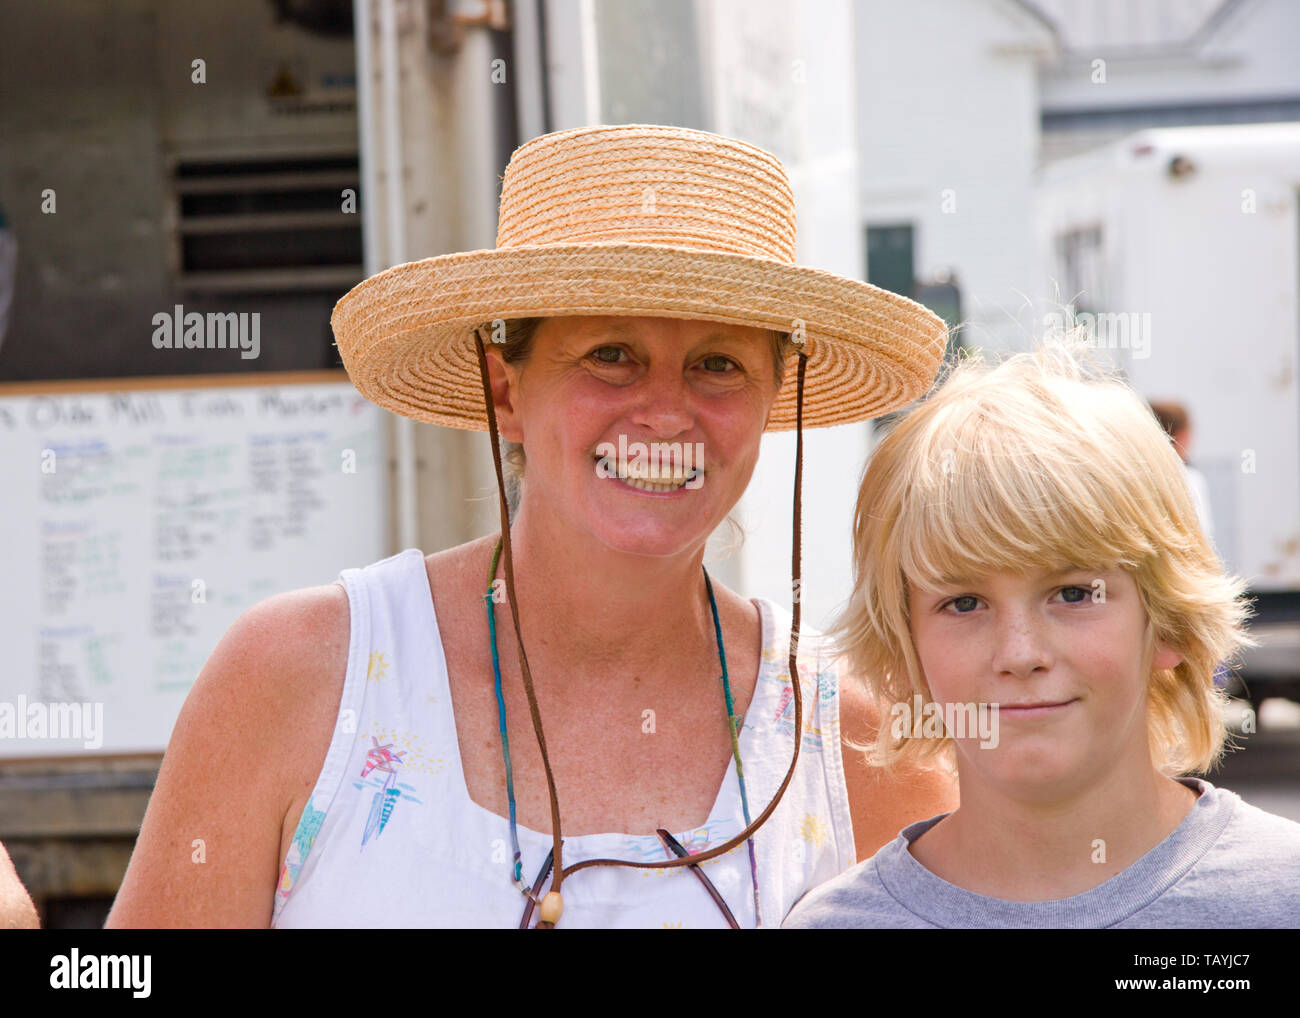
[1239,66]
[948,140]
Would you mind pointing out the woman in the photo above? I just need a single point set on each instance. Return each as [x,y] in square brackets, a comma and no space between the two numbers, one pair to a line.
[369,753]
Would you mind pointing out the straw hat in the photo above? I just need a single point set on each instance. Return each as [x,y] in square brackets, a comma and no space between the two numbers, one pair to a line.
[638,220]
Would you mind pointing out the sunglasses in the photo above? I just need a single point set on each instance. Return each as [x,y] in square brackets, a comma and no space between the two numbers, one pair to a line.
[670,843]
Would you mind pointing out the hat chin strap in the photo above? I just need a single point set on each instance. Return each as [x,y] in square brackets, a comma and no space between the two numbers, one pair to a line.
[796,588]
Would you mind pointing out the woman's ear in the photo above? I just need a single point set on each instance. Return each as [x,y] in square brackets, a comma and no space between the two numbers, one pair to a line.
[504,379]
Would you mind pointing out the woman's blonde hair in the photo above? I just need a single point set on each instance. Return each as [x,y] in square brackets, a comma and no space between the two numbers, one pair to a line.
[1047,458]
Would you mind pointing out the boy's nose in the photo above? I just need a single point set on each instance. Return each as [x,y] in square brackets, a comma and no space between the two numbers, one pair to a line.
[1021,647]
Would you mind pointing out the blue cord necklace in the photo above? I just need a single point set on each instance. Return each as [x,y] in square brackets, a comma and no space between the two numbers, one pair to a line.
[733,723]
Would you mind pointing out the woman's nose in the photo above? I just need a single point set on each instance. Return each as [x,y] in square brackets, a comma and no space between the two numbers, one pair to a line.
[664,402]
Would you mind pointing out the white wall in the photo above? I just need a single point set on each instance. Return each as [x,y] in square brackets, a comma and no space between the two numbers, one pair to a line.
[1247,55]
[948,113]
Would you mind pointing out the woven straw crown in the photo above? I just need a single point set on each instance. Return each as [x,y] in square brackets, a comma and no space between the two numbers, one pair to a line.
[636,220]
[713,194]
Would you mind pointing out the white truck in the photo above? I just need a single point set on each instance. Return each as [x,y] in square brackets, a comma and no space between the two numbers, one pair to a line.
[1179,249]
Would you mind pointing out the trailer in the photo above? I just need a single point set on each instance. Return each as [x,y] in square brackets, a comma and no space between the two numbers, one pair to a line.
[1178,250]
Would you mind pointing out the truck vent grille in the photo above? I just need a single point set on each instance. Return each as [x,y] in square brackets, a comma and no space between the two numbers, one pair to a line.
[256,225]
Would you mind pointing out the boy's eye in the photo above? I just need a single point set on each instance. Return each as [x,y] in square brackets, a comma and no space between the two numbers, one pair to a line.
[1083,592]
[964,604]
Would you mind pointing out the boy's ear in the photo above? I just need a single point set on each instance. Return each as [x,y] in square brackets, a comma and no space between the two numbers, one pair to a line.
[1165,657]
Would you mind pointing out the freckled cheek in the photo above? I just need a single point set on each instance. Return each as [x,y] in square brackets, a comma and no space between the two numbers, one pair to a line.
[943,664]
[1107,674]
[577,427]
[1106,655]
[735,450]
[737,427]
[1119,679]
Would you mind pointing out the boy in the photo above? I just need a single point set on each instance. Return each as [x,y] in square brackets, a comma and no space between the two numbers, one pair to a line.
[1026,539]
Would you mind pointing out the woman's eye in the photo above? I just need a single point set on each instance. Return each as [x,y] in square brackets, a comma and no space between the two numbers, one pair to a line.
[600,352]
[1083,593]
[964,604]
[716,363]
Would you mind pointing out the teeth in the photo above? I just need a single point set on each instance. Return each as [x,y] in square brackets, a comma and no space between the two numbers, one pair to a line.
[636,482]
[627,473]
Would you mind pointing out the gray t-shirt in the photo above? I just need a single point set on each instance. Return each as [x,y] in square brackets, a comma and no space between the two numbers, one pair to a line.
[1227,865]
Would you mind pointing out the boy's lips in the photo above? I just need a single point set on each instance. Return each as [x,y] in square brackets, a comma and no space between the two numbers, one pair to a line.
[1032,708]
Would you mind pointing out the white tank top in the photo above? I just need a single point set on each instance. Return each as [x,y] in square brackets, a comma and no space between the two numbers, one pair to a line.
[391,838]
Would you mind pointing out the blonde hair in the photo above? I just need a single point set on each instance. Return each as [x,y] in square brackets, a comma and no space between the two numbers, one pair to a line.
[1043,459]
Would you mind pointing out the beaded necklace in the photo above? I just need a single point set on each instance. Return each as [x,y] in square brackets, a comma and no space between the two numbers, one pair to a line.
[733,723]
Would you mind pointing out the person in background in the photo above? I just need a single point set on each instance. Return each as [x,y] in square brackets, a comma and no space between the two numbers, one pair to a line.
[1178,426]
[1174,419]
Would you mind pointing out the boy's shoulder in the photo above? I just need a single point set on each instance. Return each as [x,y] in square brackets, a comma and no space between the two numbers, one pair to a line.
[1248,878]
[1251,837]
[1265,831]
[857,899]
[1230,864]
[1255,846]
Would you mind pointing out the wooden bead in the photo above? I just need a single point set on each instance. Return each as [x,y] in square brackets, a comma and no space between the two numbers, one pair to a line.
[552,907]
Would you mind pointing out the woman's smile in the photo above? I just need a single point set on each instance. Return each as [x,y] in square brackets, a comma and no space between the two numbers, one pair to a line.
[663,476]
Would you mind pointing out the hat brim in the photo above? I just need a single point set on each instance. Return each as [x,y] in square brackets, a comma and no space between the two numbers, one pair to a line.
[406,335]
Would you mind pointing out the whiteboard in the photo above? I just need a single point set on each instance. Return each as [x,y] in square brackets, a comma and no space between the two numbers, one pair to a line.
[138,523]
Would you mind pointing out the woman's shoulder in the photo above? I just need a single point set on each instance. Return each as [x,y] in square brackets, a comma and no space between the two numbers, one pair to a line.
[453,577]
[275,680]
[250,737]
[309,629]
[816,655]
[300,636]
[285,658]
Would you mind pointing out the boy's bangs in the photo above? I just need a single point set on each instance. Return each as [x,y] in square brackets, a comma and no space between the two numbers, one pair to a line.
[998,497]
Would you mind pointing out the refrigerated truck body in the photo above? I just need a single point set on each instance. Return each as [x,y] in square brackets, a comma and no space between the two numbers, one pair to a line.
[1178,250]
